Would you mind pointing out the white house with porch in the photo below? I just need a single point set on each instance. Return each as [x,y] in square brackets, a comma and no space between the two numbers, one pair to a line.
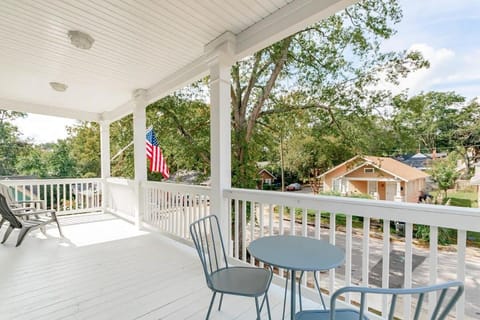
[100,61]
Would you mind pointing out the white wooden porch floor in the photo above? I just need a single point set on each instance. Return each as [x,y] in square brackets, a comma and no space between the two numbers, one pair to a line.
[105,269]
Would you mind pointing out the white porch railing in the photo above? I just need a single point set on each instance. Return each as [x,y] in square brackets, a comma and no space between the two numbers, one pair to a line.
[359,226]
[173,207]
[66,196]
[120,197]
[369,259]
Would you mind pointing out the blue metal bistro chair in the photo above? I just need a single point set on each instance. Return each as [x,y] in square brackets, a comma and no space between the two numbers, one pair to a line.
[222,278]
[443,303]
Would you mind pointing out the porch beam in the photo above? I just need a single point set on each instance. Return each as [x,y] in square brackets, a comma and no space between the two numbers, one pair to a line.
[139,153]
[42,109]
[292,18]
[220,62]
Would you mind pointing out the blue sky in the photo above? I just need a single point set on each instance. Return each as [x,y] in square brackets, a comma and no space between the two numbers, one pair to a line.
[447,32]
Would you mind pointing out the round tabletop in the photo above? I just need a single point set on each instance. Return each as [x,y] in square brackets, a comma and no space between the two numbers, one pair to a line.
[297,253]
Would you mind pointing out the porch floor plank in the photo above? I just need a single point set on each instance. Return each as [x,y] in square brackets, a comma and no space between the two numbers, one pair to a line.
[105,269]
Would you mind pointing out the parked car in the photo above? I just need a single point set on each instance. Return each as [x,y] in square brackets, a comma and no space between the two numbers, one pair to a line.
[294,187]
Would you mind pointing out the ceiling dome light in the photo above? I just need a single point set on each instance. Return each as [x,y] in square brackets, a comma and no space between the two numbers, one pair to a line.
[57,86]
[80,39]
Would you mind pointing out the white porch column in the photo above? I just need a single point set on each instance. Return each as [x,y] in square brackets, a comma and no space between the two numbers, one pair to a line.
[140,159]
[105,160]
[398,195]
[220,62]
[343,186]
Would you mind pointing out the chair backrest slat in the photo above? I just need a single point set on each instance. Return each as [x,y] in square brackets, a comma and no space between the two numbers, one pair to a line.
[7,214]
[207,238]
[362,305]
[418,309]
[216,263]
[393,304]
[5,191]
[443,304]
[439,304]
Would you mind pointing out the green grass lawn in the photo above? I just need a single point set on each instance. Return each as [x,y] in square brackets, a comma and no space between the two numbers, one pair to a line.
[461,198]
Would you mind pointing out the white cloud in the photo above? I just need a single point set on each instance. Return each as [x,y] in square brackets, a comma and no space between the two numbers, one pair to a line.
[43,128]
[422,80]
[444,31]
[449,71]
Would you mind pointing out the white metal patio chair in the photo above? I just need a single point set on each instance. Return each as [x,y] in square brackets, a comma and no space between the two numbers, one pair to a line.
[443,303]
[222,278]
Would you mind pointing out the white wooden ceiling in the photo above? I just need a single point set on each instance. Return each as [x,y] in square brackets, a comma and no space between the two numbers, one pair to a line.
[158,45]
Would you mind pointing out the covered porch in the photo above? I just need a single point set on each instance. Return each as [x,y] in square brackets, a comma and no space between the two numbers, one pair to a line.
[138,267]
[115,250]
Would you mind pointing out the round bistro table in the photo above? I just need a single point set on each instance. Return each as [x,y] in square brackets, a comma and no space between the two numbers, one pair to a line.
[295,253]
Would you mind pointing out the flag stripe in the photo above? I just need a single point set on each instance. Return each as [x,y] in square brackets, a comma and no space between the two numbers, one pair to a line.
[154,153]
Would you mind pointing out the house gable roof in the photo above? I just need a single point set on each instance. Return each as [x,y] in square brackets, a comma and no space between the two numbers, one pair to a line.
[388,165]
[267,172]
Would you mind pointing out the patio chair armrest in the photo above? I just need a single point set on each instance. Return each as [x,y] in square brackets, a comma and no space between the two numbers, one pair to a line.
[34,202]
[34,213]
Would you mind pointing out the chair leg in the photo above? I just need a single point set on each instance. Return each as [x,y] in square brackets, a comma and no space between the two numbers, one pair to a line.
[7,233]
[319,291]
[300,290]
[257,307]
[268,306]
[21,235]
[2,221]
[210,307]
[59,229]
[285,297]
[44,231]
[221,300]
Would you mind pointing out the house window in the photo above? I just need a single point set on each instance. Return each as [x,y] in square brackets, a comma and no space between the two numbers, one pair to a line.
[369,170]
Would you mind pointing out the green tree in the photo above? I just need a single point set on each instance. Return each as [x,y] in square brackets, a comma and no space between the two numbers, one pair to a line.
[182,125]
[32,162]
[10,143]
[60,161]
[467,134]
[121,148]
[332,67]
[444,172]
[83,146]
[429,118]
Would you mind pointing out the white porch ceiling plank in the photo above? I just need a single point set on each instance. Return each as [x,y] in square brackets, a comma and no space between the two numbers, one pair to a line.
[231,13]
[116,29]
[175,17]
[48,110]
[155,45]
[138,19]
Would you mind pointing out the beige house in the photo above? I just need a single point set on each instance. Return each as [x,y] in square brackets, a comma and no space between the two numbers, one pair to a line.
[383,178]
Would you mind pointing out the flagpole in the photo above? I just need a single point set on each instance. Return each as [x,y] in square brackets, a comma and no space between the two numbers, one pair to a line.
[128,145]
[121,151]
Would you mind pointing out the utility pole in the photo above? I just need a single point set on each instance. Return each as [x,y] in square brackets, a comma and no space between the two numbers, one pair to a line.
[281,160]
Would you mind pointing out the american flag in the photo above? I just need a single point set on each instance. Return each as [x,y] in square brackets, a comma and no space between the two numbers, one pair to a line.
[155,155]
